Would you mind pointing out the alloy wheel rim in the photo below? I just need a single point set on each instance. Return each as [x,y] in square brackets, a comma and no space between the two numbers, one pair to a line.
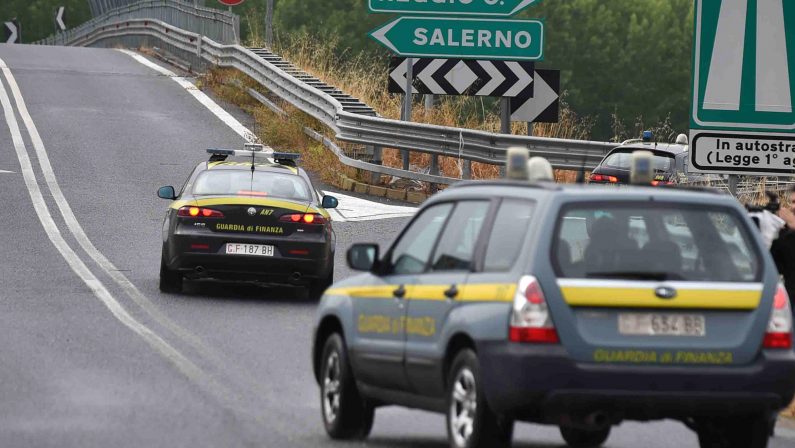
[463,407]
[331,388]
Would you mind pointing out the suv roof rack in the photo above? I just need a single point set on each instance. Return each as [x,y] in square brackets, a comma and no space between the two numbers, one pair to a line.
[550,186]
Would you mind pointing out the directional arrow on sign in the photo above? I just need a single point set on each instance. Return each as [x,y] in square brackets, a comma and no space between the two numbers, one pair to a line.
[59,18]
[544,105]
[454,37]
[12,29]
[464,77]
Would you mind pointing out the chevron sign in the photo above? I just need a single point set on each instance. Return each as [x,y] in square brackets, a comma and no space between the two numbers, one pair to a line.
[742,117]
[464,77]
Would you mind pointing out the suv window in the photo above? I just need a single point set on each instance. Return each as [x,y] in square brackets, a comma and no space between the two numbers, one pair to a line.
[457,244]
[411,253]
[667,242]
[507,235]
[622,159]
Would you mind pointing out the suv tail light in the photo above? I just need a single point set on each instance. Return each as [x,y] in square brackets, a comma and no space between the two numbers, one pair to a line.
[199,212]
[779,328]
[530,319]
[304,218]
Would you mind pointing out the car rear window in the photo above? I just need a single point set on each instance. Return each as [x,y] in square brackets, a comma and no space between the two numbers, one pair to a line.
[247,183]
[622,159]
[667,242]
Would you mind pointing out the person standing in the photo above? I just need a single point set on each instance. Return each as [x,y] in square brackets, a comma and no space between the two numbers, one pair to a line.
[783,248]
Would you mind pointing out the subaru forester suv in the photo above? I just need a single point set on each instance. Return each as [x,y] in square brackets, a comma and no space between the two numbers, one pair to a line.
[576,306]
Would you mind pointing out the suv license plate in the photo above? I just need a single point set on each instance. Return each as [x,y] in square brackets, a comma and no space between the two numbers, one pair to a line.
[648,324]
[249,249]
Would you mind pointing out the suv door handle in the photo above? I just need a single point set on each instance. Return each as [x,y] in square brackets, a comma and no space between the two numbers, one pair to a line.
[400,292]
[452,292]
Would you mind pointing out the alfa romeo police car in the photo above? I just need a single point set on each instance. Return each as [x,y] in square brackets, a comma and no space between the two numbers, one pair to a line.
[577,306]
[248,215]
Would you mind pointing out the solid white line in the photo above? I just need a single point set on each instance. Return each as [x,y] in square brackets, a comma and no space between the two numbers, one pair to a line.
[726,70]
[6,172]
[75,263]
[205,100]
[772,64]
[82,238]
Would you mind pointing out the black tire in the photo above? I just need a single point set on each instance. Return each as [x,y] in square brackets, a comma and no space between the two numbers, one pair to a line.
[464,389]
[584,438]
[170,281]
[353,417]
[318,287]
[751,431]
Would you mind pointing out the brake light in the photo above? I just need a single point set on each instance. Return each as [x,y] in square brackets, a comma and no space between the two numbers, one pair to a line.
[657,183]
[530,318]
[603,178]
[195,212]
[305,218]
[779,328]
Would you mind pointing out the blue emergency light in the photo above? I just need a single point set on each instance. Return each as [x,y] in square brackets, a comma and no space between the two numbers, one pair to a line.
[648,136]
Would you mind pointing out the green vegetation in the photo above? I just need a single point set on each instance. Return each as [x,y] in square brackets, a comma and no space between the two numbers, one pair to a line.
[37,17]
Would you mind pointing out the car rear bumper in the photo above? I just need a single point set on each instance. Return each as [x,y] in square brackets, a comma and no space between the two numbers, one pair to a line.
[542,383]
[313,261]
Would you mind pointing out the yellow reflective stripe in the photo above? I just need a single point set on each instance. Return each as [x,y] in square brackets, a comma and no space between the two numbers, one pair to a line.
[364,292]
[485,292]
[241,201]
[488,292]
[612,297]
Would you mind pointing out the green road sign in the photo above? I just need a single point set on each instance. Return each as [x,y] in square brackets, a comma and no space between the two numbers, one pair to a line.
[481,8]
[743,79]
[436,37]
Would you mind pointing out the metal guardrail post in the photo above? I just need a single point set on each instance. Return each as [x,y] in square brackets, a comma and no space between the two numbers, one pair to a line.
[505,122]
[378,159]
[466,171]
[406,112]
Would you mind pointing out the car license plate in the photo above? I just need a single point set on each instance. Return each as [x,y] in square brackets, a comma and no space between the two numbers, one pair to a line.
[249,249]
[652,324]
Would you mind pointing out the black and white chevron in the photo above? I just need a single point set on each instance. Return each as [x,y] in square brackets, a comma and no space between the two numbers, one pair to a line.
[544,105]
[508,79]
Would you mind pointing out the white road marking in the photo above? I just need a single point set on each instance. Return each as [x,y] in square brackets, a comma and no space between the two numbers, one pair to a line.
[82,238]
[726,69]
[205,100]
[772,64]
[6,172]
[353,209]
[73,260]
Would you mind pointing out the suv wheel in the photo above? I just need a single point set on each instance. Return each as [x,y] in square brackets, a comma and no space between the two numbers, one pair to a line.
[170,281]
[584,438]
[470,422]
[346,415]
[752,431]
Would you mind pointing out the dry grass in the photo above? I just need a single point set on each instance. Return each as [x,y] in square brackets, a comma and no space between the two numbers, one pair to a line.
[366,79]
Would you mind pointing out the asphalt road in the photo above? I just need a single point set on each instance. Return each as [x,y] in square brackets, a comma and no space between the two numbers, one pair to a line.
[96,355]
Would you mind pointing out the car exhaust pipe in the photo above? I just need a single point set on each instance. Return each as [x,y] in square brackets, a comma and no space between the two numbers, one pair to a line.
[295,277]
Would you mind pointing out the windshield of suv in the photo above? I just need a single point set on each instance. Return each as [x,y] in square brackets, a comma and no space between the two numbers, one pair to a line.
[241,182]
[622,159]
[668,242]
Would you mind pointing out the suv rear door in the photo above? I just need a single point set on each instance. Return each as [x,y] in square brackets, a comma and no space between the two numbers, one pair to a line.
[668,284]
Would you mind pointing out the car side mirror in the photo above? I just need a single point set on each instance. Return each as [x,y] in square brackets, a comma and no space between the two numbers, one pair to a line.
[330,202]
[167,193]
[363,257]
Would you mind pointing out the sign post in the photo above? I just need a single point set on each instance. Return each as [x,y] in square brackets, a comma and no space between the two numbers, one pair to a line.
[742,119]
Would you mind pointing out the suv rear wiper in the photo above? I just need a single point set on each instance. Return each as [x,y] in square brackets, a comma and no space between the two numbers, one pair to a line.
[635,275]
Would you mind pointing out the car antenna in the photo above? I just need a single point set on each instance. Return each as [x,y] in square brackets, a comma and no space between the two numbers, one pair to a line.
[251,183]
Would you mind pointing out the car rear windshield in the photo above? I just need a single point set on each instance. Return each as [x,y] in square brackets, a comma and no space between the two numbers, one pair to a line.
[622,159]
[666,242]
[247,183]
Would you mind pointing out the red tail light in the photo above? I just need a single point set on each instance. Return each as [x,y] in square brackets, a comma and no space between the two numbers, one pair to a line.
[304,218]
[530,319]
[657,183]
[779,327]
[199,212]
[603,178]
